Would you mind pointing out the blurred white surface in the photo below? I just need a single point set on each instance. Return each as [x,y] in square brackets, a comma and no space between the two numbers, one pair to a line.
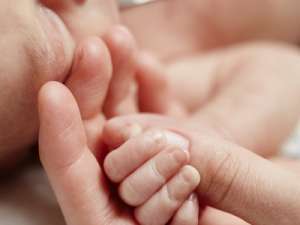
[132,3]
[292,147]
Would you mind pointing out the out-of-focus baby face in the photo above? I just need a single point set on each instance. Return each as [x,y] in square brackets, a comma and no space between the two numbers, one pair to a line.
[36,46]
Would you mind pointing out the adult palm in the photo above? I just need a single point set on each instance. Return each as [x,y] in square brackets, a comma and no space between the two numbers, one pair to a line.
[216,80]
[74,172]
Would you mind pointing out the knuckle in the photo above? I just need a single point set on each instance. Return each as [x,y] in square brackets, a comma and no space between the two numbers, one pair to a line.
[223,175]
[177,156]
[188,179]
[190,176]
[110,169]
[183,220]
[158,173]
[171,199]
[155,138]
[151,142]
[129,193]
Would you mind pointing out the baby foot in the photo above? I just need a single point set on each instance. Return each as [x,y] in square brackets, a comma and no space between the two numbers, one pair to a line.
[153,176]
[100,80]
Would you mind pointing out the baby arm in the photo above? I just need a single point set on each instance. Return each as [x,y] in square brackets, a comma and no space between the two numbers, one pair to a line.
[233,91]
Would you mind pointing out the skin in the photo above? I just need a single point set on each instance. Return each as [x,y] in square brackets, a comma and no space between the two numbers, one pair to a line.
[223,215]
[90,82]
[213,117]
[38,44]
[162,162]
[226,169]
[211,38]
[209,45]
[217,160]
[115,61]
[105,211]
[227,215]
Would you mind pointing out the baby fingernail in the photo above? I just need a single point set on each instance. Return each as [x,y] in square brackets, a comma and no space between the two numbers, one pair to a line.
[193,197]
[134,130]
[177,140]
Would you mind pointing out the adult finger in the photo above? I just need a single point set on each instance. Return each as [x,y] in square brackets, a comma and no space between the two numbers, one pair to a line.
[240,182]
[244,92]
[121,97]
[74,172]
[155,94]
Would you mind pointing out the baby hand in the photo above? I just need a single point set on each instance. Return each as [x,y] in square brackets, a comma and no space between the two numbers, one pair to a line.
[153,176]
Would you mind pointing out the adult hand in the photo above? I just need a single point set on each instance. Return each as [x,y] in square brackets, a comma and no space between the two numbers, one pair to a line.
[227,86]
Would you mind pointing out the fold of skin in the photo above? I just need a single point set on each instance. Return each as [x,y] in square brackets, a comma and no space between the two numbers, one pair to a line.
[249,93]
[37,45]
[246,93]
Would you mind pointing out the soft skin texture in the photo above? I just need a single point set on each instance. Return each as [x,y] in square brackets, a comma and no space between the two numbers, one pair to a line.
[37,46]
[294,20]
[85,18]
[93,84]
[152,175]
[242,92]
[210,24]
[267,194]
[66,167]
[233,179]
[208,63]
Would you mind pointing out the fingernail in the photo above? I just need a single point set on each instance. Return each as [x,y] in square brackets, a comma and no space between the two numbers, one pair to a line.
[177,140]
[193,197]
[78,58]
[133,130]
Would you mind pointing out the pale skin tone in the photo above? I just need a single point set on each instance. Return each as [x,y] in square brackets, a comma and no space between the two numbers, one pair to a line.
[207,46]
[112,58]
[201,56]
[119,170]
[232,179]
[38,44]
[236,87]
[91,82]
[226,169]
[210,24]
[172,153]
[288,56]
[152,177]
